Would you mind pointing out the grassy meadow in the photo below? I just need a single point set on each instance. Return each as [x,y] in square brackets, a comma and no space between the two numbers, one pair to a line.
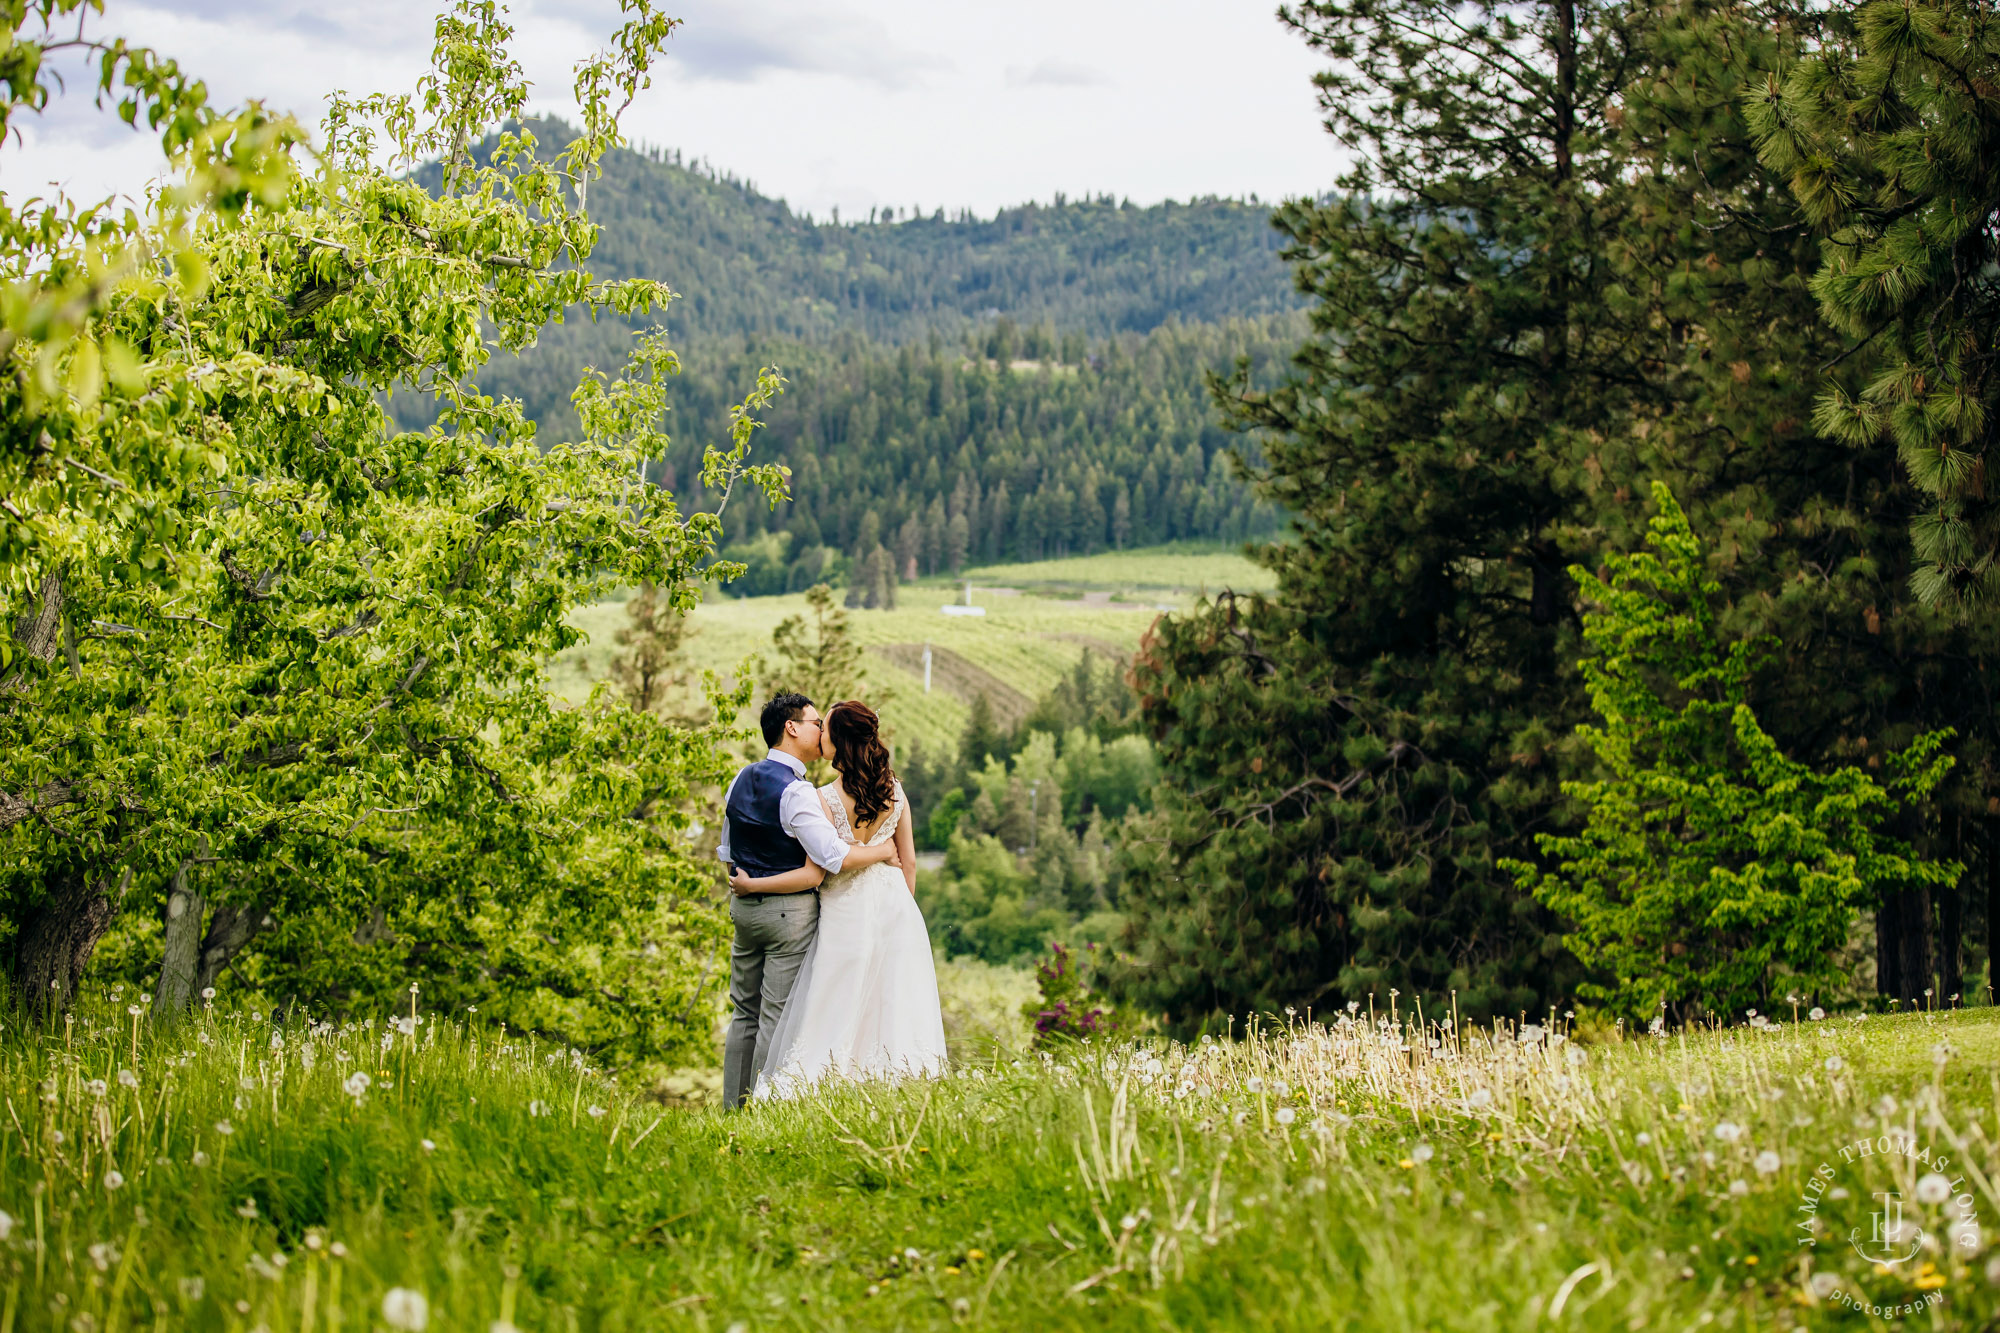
[1040,619]
[226,1174]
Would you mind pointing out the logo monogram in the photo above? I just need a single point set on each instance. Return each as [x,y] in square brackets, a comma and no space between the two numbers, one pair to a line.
[1890,1230]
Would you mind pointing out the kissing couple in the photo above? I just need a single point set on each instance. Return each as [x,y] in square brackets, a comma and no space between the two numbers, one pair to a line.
[830,975]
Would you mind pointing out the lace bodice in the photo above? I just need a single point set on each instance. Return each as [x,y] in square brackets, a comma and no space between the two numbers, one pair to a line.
[836,810]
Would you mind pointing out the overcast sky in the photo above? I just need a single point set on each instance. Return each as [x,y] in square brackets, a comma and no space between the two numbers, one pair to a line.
[847,103]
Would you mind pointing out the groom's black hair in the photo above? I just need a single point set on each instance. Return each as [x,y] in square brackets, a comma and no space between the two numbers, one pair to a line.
[783,708]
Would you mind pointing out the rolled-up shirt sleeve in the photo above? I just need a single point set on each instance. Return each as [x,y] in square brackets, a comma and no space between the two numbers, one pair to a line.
[802,816]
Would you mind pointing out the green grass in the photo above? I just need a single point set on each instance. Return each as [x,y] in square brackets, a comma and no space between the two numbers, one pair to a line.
[1306,1179]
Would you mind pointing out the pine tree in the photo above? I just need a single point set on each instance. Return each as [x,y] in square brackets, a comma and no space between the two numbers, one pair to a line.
[654,638]
[817,655]
[1890,137]
[1342,762]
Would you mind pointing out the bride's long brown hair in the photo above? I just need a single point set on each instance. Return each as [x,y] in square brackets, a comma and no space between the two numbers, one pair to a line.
[862,759]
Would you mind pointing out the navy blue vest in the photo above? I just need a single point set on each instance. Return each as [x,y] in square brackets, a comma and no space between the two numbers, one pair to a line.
[757,840]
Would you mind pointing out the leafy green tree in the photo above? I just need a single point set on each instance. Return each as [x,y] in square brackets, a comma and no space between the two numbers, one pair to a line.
[1890,137]
[254,682]
[1711,870]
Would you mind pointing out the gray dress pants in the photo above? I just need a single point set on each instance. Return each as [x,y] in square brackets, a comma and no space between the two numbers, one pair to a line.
[772,935]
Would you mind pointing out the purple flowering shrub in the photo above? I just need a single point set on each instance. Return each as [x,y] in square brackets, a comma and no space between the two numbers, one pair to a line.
[1066,1008]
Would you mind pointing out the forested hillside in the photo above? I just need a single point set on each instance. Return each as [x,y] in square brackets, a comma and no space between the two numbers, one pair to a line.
[1037,375]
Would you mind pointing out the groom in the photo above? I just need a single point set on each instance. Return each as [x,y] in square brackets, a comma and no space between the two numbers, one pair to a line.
[773,823]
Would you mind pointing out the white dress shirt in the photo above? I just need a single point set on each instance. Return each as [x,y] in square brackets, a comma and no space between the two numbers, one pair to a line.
[800,814]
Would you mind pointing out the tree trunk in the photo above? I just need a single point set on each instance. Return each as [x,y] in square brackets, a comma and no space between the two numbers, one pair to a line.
[1992,905]
[229,929]
[181,947]
[1950,924]
[1903,945]
[57,939]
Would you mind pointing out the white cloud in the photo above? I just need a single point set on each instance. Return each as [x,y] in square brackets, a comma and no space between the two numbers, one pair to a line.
[829,103]
[1055,74]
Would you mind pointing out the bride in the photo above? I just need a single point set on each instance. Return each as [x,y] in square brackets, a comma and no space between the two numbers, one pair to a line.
[866,1002]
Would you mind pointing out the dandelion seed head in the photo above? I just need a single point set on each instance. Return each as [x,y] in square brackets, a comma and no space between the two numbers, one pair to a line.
[1423,1152]
[113,1180]
[1739,1188]
[1834,1064]
[1815,1013]
[405,1309]
[1933,1189]
[1286,1115]
[224,1128]
[1767,1163]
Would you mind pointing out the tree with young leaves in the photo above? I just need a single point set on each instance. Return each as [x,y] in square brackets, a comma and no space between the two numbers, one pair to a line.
[295,679]
[1712,871]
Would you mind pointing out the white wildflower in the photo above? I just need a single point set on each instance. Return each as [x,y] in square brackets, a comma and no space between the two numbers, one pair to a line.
[113,1180]
[1767,1163]
[127,1079]
[427,1145]
[356,1084]
[1815,1013]
[405,1309]
[1728,1131]
[1834,1064]
[1933,1189]
[200,1158]
[224,1128]
[1286,1115]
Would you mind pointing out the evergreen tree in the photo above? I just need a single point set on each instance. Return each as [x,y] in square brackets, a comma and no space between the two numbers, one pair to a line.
[1343,762]
[1713,870]
[653,637]
[817,655]
[1890,137]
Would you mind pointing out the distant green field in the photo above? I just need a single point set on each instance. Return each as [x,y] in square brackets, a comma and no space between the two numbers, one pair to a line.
[1013,654]
[1190,570]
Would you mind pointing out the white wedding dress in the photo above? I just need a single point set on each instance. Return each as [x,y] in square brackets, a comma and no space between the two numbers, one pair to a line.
[866,1001]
